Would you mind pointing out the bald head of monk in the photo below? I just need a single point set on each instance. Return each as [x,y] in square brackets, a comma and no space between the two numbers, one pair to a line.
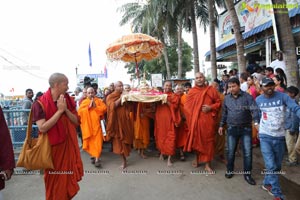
[168,86]
[90,93]
[59,84]
[179,89]
[118,86]
[199,79]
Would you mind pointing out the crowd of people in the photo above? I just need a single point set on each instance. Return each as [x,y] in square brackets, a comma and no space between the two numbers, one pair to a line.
[246,110]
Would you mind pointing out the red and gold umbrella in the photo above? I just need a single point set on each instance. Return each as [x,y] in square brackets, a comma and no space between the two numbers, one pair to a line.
[134,48]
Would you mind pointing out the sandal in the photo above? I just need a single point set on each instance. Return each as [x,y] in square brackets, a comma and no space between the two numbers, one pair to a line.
[98,164]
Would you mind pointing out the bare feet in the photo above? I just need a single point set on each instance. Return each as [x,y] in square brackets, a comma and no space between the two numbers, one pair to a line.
[170,164]
[143,156]
[161,157]
[124,164]
[195,162]
[182,158]
[208,169]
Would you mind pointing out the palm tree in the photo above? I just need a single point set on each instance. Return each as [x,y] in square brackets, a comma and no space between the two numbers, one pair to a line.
[212,38]
[143,19]
[238,35]
[287,42]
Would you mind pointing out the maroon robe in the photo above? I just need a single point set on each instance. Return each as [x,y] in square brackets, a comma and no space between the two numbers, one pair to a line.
[7,160]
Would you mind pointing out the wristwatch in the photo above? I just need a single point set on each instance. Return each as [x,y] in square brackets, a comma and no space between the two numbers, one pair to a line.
[255,124]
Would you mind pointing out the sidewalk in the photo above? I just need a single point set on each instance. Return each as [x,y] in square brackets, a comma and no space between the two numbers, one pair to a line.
[150,179]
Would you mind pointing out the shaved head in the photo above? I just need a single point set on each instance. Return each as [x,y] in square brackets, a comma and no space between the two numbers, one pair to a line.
[118,86]
[199,79]
[57,78]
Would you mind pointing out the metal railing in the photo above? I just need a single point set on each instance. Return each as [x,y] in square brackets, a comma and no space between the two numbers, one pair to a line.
[16,120]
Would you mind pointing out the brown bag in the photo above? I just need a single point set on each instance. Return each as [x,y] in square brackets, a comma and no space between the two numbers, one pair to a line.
[36,152]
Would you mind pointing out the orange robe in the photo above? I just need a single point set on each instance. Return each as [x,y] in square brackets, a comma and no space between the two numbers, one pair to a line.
[182,130]
[166,118]
[219,139]
[90,125]
[141,127]
[62,182]
[201,125]
[119,125]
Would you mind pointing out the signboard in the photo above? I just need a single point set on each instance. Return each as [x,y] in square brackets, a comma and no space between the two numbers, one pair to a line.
[251,13]
[156,80]
[298,51]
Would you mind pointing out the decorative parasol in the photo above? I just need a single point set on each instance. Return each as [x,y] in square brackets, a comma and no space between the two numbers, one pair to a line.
[134,48]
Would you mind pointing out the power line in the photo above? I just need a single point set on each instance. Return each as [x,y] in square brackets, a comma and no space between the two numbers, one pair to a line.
[14,56]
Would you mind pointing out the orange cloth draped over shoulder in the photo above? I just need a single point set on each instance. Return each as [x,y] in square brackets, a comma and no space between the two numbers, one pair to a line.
[119,125]
[141,126]
[219,139]
[182,130]
[90,126]
[62,182]
[201,125]
[167,116]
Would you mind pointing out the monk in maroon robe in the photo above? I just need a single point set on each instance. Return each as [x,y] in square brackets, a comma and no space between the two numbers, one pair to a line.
[119,123]
[55,114]
[201,109]
[7,159]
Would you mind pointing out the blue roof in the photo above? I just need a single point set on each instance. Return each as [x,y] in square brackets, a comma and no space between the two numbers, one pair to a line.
[258,29]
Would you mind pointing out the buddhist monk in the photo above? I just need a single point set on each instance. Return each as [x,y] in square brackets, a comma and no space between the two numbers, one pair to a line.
[201,109]
[119,126]
[182,130]
[91,111]
[55,114]
[142,128]
[167,117]
[7,159]
[219,139]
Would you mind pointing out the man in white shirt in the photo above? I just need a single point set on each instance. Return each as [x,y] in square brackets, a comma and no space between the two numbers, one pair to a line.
[243,80]
[279,62]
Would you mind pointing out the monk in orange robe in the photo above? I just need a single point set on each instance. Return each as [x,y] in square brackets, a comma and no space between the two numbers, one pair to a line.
[167,117]
[182,130]
[119,126]
[201,109]
[219,139]
[91,111]
[142,127]
[55,114]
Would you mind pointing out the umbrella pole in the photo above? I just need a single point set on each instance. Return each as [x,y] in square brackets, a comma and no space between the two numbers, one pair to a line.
[137,69]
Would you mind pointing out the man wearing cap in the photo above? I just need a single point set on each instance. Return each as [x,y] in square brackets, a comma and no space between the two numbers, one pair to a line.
[273,107]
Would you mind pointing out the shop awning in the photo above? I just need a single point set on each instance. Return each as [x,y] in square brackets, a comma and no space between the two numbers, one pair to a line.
[253,31]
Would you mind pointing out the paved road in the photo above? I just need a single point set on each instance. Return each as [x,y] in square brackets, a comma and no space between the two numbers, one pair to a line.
[148,179]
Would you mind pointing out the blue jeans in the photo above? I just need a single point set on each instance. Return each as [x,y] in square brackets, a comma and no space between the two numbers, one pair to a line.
[272,149]
[234,134]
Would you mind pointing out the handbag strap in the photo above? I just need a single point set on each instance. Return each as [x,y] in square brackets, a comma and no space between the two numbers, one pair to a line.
[29,125]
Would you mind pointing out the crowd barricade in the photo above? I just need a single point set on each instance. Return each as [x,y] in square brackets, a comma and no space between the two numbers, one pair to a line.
[16,121]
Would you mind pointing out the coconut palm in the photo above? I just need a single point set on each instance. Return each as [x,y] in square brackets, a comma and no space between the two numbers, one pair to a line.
[237,34]
[287,42]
